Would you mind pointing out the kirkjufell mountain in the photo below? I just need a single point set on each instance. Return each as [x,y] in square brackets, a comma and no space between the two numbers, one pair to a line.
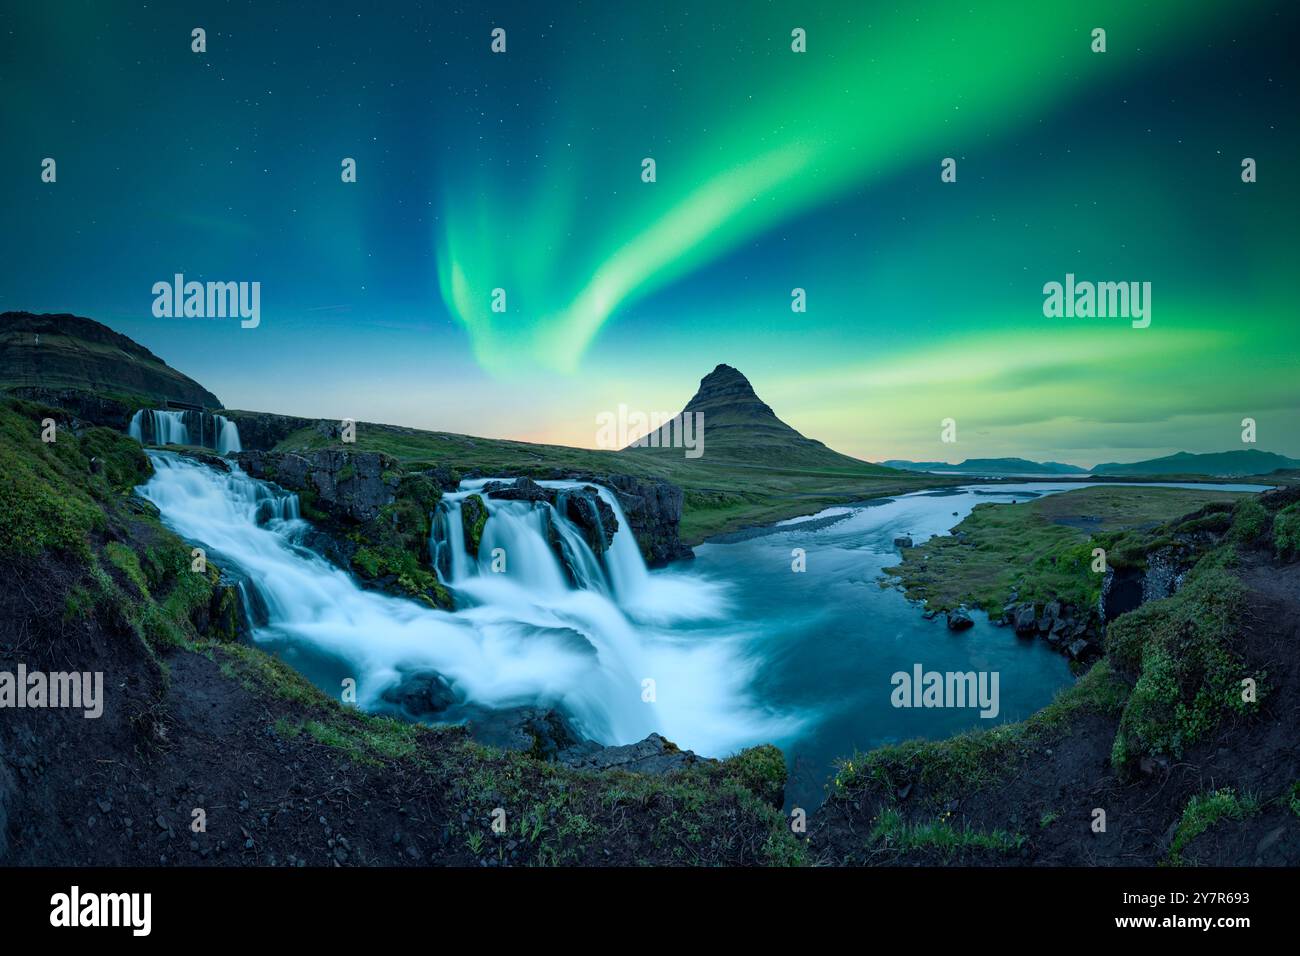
[738,425]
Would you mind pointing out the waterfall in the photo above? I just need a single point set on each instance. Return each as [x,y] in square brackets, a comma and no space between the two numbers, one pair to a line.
[525,635]
[227,435]
[165,426]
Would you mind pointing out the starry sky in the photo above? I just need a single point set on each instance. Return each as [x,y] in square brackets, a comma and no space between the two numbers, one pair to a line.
[775,170]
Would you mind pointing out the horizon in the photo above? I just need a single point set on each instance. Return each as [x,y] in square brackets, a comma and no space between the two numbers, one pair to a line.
[924,298]
[721,365]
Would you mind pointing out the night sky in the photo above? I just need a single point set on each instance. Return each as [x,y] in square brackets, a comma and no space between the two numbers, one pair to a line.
[775,170]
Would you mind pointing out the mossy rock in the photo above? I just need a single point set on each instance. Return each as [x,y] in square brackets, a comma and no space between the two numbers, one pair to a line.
[1188,672]
[762,771]
[474,516]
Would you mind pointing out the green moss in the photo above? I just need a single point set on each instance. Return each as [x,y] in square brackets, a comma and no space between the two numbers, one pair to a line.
[122,461]
[126,561]
[1216,522]
[760,770]
[259,671]
[45,500]
[308,506]
[411,576]
[1251,522]
[1206,810]
[475,514]
[1286,532]
[1181,649]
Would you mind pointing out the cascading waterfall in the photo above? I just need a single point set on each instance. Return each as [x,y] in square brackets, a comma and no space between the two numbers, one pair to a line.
[227,435]
[165,426]
[524,635]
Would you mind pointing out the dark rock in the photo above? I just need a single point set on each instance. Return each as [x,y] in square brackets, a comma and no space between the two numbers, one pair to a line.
[959,619]
[262,431]
[653,510]
[653,755]
[593,516]
[1152,764]
[521,489]
[1121,592]
[225,617]
[538,731]
[421,694]
[1026,621]
[347,485]
[902,542]
[8,797]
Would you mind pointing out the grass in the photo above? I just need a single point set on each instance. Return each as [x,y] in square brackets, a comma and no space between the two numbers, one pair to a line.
[372,740]
[1204,811]
[939,835]
[1040,549]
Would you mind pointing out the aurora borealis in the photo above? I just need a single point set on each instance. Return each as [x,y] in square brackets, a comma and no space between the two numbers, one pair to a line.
[775,170]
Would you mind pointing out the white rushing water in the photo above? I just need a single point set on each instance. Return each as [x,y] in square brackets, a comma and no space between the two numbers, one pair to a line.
[525,635]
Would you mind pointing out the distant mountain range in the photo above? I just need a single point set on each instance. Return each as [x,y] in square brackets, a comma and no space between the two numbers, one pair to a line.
[988,466]
[1221,464]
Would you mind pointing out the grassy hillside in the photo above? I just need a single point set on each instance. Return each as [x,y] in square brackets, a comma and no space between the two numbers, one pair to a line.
[1041,548]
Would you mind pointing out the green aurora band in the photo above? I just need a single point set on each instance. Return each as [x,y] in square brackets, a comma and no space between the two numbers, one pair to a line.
[860,105]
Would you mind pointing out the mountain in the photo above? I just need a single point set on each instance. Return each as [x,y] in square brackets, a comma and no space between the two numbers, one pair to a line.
[739,426]
[1222,464]
[989,466]
[83,365]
